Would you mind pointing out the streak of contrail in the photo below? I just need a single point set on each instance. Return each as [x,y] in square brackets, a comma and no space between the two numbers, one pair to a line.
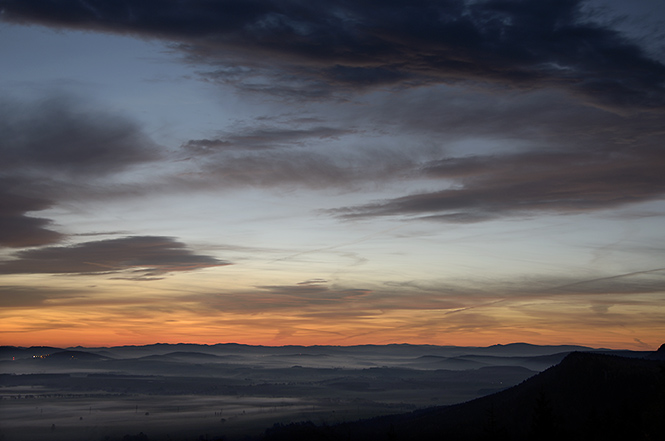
[618,276]
[332,247]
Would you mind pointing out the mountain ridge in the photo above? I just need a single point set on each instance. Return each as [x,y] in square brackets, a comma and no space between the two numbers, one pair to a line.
[586,396]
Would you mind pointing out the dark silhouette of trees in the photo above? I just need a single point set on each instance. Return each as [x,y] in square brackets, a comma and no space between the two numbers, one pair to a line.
[493,429]
[543,423]
[138,437]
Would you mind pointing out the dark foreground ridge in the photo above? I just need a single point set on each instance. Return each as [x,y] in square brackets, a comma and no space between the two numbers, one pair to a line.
[189,392]
[585,397]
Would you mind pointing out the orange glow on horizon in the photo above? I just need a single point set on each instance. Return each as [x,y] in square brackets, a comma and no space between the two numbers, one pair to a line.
[135,335]
[111,317]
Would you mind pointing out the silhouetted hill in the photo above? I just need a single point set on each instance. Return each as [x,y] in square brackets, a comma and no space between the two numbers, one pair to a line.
[585,397]
[406,350]
[527,349]
[659,354]
[194,356]
[74,355]
[10,352]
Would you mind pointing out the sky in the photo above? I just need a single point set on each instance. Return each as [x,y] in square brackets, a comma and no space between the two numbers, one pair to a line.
[276,172]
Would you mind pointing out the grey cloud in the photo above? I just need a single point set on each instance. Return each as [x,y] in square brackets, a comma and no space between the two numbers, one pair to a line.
[295,290]
[60,136]
[21,296]
[31,296]
[569,157]
[451,297]
[315,291]
[313,282]
[259,138]
[315,49]
[537,286]
[533,181]
[46,148]
[17,230]
[288,151]
[646,281]
[103,233]
[293,167]
[561,157]
[22,231]
[144,256]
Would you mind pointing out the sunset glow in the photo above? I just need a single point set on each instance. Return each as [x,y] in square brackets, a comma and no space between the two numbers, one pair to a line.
[335,173]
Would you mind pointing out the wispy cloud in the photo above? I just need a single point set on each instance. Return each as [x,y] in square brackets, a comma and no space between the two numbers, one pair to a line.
[18,230]
[523,183]
[19,296]
[564,157]
[259,138]
[453,118]
[142,256]
[68,138]
[47,149]
[571,157]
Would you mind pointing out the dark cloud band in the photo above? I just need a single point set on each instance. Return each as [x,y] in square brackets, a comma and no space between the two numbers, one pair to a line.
[17,230]
[312,50]
[562,182]
[49,146]
[144,256]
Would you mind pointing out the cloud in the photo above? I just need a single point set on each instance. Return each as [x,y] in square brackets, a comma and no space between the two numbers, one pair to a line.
[260,138]
[65,138]
[492,154]
[450,304]
[317,50]
[288,151]
[645,281]
[534,181]
[571,157]
[17,230]
[22,296]
[293,167]
[303,297]
[140,256]
[30,296]
[47,148]
[565,156]
[315,291]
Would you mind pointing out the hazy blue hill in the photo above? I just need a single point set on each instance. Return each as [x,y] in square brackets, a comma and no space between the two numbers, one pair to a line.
[9,352]
[74,355]
[184,388]
[369,351]
[208,360]
[183,355]
[585,397]
[102,352]
[536,362]
[452,363]
[526,349]
[627,353]
[300,355]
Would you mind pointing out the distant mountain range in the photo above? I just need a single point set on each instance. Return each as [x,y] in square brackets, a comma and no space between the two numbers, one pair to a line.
[517,392]
[403,350]
[195,359]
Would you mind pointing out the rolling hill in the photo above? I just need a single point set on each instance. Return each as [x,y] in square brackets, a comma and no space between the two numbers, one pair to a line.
[586,397]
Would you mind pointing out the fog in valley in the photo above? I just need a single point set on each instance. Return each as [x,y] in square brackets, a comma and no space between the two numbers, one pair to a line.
[228,391]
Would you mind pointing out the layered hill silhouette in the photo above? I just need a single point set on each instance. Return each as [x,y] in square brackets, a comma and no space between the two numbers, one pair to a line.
[233,392]
[588,396]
